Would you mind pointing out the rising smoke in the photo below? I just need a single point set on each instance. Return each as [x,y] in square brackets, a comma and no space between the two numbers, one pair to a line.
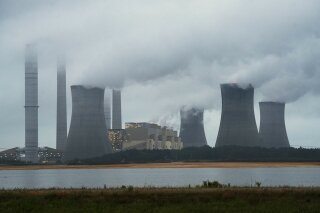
[199,44]
[191,51]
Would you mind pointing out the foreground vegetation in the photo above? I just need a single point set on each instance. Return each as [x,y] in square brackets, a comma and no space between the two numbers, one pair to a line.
[208,198]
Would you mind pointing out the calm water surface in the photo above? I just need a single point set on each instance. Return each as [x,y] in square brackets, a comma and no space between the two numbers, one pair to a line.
[77,178]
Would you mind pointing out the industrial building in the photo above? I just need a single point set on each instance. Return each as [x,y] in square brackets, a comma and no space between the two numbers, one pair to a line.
[31,104]
[116,109]
[191,127]
[145,125]
[272,132]
[44,155]
[117,137]
[237,125]
[151,136]
[61,131]
[11,155]
[49,155]
[87,134]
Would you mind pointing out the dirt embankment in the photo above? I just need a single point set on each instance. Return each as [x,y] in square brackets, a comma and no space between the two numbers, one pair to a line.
[170,165]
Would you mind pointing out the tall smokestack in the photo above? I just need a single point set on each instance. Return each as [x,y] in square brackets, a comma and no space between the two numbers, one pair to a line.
[191,128]
[61,138]
[272,131]
[107,109]
[87,134]
[238,125]
[31,104]
[116,109]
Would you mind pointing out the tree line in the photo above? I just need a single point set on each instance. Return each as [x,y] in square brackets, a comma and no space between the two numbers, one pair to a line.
[206,153]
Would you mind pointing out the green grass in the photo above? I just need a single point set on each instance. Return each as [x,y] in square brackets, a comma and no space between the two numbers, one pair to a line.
[162,200]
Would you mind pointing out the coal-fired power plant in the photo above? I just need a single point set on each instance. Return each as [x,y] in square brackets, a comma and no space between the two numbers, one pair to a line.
[61,137]
[31,104]
[191,128]
[87,134]
[272,132]
[237,125]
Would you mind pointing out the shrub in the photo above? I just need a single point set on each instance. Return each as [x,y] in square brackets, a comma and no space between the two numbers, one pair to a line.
[211,184]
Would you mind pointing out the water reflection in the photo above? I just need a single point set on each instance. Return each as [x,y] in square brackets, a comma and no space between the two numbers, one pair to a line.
[77,178]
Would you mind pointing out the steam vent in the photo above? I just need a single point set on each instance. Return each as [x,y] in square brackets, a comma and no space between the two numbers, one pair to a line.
[191,128]
[272,131]
[87,134]
[238,125]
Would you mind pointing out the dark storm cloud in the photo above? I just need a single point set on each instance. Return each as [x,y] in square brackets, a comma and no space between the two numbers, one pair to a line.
[269,45]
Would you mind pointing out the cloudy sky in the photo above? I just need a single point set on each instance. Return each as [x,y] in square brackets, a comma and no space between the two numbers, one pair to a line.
[164,55]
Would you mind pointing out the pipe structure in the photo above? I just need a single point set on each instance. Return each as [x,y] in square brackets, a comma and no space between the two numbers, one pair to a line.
[87,133]
[272,132]
[237,125]
[31,104]
[61,131]
[191,128]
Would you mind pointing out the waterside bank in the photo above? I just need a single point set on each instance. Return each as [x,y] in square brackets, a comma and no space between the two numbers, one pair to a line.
[168,165]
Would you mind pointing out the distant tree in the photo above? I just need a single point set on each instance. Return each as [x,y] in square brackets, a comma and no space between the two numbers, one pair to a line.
[206,153]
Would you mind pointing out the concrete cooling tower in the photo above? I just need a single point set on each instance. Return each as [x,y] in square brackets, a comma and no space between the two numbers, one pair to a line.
[237,125]
[191,128]
[87,134]
[272,131]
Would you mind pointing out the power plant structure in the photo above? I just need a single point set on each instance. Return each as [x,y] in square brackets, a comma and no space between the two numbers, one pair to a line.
[107,109]
[272,132]
[116,109]
[237,125]
[61,137]
[31,104]
[87,134]
[191,128]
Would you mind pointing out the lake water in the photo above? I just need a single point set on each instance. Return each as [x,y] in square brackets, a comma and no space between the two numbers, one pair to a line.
[76,178]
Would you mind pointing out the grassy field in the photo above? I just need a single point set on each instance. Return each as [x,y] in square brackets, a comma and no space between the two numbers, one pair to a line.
[162,200]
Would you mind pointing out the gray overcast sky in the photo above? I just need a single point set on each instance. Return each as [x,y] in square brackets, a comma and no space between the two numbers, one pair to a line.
[164,54]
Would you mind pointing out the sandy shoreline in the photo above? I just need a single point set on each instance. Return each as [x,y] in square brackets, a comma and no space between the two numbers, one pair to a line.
[170,165]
